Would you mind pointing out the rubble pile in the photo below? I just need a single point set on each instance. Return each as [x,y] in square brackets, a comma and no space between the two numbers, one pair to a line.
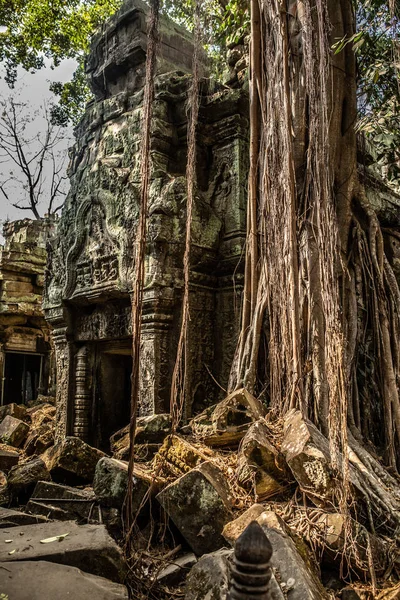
[195,491]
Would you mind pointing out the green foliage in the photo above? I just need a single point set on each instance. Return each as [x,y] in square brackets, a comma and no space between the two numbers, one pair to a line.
[33,30]
[377,46]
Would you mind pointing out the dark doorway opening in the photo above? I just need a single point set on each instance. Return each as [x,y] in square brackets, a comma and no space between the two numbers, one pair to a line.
[22,375]
[113,405]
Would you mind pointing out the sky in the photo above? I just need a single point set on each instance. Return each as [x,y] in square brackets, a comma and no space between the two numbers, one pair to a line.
[32,89]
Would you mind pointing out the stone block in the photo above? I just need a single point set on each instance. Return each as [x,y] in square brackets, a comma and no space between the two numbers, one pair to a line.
[307,454]
[39,439]
[15,518]
[72,461]
[42,413]
[111,480]
[199,504]
[88,545]
[13,431]
[16,288]
[23,478]
[233,529]
[261,464]
[8,458]
[61,502]
[179,456]
[176,572]
[18,411]
[47,581]
[226,423]
[149,430]
[210,576]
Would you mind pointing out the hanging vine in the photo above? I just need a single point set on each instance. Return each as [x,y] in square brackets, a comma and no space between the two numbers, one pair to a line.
[179,376]
[140,238]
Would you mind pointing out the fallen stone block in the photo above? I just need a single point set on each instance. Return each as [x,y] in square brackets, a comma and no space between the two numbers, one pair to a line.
[41,414]
[18,411]
[260,464]
[88,545]
[65,503]
[8,459]
[176,572]
[39,439]
[4,491]
[14,518]
[307,454]
[225,424]
[111,481]
[23,477]
[199,504]
[177,456]
[152,429]
[334,533]
[72,461]
[233,529]
[13,431]
[210,577]
[47,581]
[290,561]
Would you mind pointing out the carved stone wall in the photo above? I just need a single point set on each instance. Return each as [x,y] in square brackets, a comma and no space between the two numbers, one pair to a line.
[90,267]
[26,367]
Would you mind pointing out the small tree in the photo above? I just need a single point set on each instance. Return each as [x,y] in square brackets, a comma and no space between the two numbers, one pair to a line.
[32,159]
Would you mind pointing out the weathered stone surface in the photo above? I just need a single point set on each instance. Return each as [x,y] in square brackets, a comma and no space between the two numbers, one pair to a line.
[88,545]
[15,518]
[233,529]
[41,580]
[226,423]
[72,461]
[149,430]
[209,578]
[22,325]
[18,411]
[23,478]
[179,456]
[39,439]
[13,431]
[60,501]
[332,528]
[89,279]
[8,458]
[41,413]
[4,491]
[306,451]
[199,504]
[176,572]
[290,559]
[111,480]
[260,464]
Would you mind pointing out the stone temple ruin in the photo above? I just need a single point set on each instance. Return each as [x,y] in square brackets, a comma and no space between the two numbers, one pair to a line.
[25,338]
[90,271]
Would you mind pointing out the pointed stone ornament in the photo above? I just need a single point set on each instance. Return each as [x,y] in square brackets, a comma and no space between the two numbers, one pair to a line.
[251,572]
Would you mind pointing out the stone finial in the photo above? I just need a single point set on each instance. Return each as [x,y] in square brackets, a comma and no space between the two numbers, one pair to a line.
[250,571]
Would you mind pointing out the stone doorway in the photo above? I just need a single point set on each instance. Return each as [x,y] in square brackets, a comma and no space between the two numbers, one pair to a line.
[22,377]
[113,391]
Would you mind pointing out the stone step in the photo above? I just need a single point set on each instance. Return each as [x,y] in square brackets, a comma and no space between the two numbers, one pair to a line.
[88,545]
[41,580]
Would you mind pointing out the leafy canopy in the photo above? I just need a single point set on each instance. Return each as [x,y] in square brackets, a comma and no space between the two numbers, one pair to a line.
[33,30]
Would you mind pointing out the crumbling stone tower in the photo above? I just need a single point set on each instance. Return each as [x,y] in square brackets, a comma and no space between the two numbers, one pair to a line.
[90,268]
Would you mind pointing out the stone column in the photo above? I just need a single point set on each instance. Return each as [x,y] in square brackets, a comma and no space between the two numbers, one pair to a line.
[83,397]
[2,373]
[64,351]
[155,361]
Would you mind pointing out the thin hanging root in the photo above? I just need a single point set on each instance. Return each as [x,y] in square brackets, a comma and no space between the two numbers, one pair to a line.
[140,238]
[179,376]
